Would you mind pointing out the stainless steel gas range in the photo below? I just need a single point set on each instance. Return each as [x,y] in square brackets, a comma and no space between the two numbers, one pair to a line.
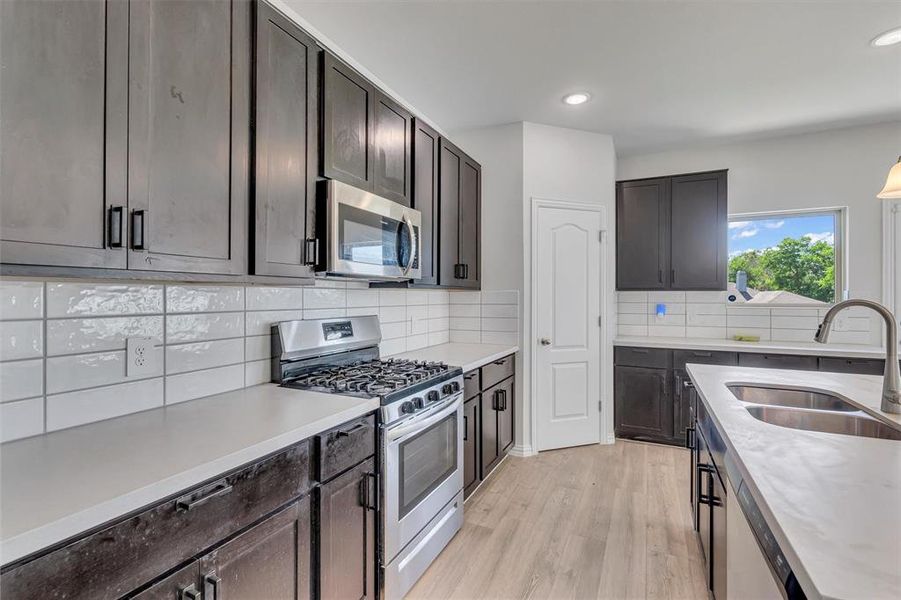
[421,432]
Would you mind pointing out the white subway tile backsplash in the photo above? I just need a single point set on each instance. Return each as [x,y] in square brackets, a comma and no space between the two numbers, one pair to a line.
[257,347]
[394,297]
[755,321]
[257,372]
[417,320]
[641,297]
[71,336]
[499,337]
[500,297]
[439,310]
[21,339]
[465,337]
[389,347]
[494,324]
[197,384]
[671,308]
[392,331]
[183,298]
[415,342]
[357,298]
[507,311]
[439,324]
[746,311]
[633,330]
[439,337]
[666,330]
[21,379]
[666,320]
[416,297]
[80,371]
[203,326]
[706,297]
[324,313]
[798,322]
[851,337]
[362,311]
[77,299]
[20,419]
[466,298]
[392,314]
[78,408]
[261,322]
[465,323]
[319,298]
[438,297]
[465,310]
[792,335]
[274,298]
[762,333]
[21,300]
[692,331]
[632,319]
[204,355]
[634,308]
[664,297]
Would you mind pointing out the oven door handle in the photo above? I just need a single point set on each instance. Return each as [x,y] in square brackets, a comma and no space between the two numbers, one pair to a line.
[396,433]
[413,246]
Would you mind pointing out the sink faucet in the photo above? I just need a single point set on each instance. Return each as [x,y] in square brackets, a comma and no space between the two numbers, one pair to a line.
[891,384]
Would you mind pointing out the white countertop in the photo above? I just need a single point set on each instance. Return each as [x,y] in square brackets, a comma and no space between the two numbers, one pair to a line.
[804,348]
[466,356]
[833,501]
[58,485]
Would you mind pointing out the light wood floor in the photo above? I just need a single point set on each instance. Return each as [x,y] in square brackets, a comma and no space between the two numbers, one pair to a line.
[608,522]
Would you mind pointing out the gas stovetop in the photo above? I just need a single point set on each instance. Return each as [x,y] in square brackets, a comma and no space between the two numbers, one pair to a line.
[371,378]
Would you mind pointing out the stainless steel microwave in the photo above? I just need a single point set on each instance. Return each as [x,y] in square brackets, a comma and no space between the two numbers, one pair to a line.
[369,236]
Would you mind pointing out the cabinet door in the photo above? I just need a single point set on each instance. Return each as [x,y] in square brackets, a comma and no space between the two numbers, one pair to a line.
[426,149]
[699,225]
[642,231]
[189,124]
[449,169]
[470,445]
[470,216]
[63,97]
[504,404]
[270,560]
[347,535]
[392,150]
[286,147]
[643,403]
[347,101]
[178,586]
[488,440]
[777,361]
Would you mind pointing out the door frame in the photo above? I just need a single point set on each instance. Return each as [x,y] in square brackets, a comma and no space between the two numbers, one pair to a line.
[891,239]
[605,420]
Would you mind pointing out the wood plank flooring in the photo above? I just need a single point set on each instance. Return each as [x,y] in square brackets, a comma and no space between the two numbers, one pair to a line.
[609,522]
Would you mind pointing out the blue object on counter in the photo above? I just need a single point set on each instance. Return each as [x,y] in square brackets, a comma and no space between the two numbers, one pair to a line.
[661,310]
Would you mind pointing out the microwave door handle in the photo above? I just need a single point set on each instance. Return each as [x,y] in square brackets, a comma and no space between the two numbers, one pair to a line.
[413,249]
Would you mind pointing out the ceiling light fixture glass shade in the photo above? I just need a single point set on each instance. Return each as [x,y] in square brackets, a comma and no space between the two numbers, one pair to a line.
[577,98]
[888,38]
[892,189]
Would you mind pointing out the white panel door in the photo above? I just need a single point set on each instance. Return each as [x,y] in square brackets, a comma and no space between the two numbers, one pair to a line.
[895,214]
[567,311]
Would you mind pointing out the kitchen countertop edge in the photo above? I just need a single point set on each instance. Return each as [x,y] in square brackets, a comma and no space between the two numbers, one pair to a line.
[467,356]
[801,348]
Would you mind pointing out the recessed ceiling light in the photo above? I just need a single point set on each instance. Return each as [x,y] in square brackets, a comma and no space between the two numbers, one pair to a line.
[577,98]
[890,37]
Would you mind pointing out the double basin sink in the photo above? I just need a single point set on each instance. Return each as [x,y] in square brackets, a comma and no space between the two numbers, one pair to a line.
[811,411]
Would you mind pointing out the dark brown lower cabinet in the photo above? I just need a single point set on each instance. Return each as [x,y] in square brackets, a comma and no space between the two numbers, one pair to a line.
[181,585]
[643,403]
[347,528]
[504,406]
[470,445]
[488,419]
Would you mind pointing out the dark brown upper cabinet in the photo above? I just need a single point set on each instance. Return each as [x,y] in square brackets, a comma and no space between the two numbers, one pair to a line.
[63,96]
[671,233]
[188,135]
[426,148]
[286,118]
[699,224]
[459,198]
[392,151]
[347,124]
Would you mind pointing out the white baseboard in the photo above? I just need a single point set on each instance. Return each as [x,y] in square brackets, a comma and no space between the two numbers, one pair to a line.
[522,451]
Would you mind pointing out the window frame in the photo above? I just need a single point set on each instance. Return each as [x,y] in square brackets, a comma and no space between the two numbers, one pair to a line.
[840,245]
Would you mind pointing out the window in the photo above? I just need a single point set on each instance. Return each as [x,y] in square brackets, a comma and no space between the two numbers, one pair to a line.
[787,258]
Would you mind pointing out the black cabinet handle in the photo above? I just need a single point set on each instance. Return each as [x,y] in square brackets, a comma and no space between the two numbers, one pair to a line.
[672,276]
[191,501]
[470,375]
[638,351]
[704,354]
[311,251]
[501,362]
[458,271]
[465,428]
[688,384]
[137,229]
[352,430]
[369,486]
[689,438]
[659,275]
[211,586]
[114,227]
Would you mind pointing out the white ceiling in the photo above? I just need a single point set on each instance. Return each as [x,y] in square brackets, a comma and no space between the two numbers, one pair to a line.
[662,73]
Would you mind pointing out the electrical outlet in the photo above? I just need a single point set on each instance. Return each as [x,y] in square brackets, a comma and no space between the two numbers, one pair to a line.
[141,357]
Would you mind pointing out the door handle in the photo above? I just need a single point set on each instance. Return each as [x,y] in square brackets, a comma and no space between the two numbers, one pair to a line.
[137,229]
[190,501]
[352,430]
[465,428]
[544,341]
[115,227]
[369,491]
[211,586]
[311,251]
[411,236]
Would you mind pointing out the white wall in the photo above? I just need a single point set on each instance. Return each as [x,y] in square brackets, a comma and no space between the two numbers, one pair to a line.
[521,161]
[842,167]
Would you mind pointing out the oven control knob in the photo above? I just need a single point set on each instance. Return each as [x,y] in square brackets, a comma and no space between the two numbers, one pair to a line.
[455,385]
[432,396]
[447,389]
[407,407]
[418,403]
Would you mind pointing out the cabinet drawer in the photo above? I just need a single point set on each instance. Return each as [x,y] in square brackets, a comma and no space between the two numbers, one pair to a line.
[472,384]
[344,446]
[660,358]
[497,371]
[777,361]
[127,554]
[859,366]
[704,357]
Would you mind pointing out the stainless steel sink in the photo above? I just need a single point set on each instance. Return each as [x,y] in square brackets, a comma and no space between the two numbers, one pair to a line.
[758,394]
[825,421]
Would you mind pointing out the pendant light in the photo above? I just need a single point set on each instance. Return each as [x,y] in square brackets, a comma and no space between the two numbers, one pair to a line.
[892,189]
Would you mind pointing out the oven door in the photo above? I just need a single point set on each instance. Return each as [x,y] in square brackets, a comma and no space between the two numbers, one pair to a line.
[371,236]
[424,472]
